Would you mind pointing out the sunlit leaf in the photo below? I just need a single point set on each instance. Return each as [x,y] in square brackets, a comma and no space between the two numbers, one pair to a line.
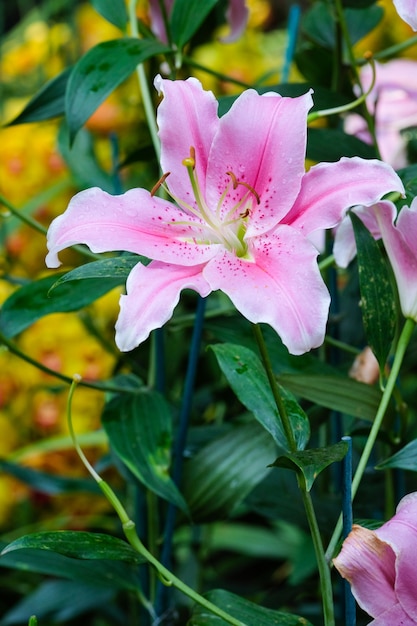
[31,302]
[114,11]
[100,71]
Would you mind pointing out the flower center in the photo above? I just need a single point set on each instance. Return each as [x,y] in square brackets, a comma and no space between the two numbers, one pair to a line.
[225,227]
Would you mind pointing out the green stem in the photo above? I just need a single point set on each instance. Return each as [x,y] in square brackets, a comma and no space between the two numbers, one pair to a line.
[26,219]
[403,342]
[324,570]
[392,50]
[323,567]
[67,379]
[144,87]
[285,420]
[131,535]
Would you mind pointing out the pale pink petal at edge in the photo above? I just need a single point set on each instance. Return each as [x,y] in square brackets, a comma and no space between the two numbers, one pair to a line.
[344,247]
[369,565]
[187,117]
[135,222]
[401,533]
[407,10]
[153,292]
[329,189]
[237,16]
[262,140]
[402,255]
[282,288]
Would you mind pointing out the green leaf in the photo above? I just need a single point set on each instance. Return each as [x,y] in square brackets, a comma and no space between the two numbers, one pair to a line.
[335,392]
[224,472]
[330,144]
[140,431]
[377,296]
[115,267]
[103,573]
[406,458]
[48,483]
[318,23]
[244,610]
[186,17]
[247,378]
[47,103]
[58,602]
[78,545]
[31,302]
[100,71]
[114,11]
[312,462]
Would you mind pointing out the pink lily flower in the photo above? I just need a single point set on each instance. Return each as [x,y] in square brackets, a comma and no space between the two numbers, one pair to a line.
[393,101]
[236,15]
[407,10]
[399,235]
[381,567]
[244,210]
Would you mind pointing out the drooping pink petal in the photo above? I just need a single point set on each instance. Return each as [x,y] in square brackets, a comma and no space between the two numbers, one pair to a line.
[394,615]
[368,563]
[399,241]
[153,293]
[134,221]
[282,287]
[401,534]
[262,140]
[329,189]
[237,17]
[157,20]
[344,248]
[407,10]
[187,117]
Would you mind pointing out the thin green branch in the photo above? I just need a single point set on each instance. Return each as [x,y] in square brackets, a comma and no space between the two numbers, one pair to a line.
[129,529]
[403,342]
[144,87]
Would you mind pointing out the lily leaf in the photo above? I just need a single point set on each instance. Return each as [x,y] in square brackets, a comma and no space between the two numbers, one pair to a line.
[139,428]
[377,296]
[100,71]
[224,472]
[32,302]
[406,458]
[312,462]
[78,545]
[247,378]
[244,610]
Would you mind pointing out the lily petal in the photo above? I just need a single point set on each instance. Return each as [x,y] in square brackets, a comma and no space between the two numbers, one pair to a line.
[394,615]
[399,241]
[368,563]
[407,10]
[401,533]
[153,292]
[344,247]
[278,288]
[262,140]
[187,117]
[134,221]
[237,16]
[329,189]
